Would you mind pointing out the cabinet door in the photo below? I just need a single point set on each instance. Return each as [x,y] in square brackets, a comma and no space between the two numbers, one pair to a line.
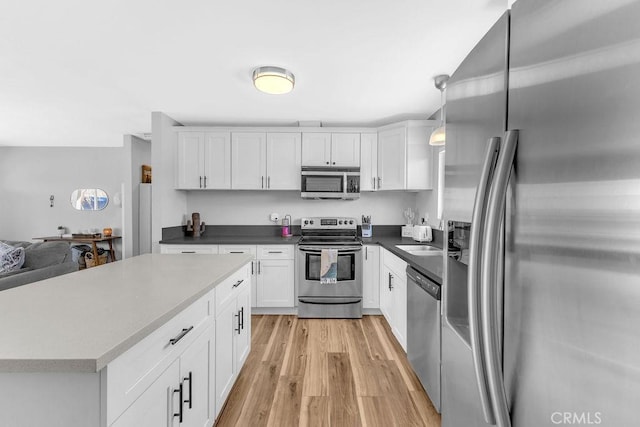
[226,325]
[217,160]
[194,373]
[156,406]
[371,277]
[248,158]
[275,283]
[345,149]
[392,159]
[368,161]
[190,167]
[283,161]
[243,337]
[316,149]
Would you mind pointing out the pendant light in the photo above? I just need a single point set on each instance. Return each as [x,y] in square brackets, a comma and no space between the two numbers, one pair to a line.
[273,80]
[438,136]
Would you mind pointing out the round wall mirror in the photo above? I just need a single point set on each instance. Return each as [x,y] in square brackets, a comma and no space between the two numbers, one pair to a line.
[89,199]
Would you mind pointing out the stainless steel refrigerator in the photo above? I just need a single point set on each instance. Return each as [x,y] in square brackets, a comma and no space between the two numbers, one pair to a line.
[541,298]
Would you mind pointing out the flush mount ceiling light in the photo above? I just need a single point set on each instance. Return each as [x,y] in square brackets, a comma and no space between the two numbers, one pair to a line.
[438,135]
[273,80]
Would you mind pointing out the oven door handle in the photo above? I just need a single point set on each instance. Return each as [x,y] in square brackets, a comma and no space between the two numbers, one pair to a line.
[330,301]
[341,249]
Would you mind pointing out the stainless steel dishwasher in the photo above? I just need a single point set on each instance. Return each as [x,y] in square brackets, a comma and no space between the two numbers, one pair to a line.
[423,332]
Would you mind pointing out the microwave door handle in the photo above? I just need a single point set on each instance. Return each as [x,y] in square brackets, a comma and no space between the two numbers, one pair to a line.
[473,281]
[489,285]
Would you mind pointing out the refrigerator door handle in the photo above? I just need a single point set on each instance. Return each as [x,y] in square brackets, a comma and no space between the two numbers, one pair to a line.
[489,287]
[473,281]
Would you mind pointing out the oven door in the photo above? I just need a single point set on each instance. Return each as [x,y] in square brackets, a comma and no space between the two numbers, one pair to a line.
[349,275]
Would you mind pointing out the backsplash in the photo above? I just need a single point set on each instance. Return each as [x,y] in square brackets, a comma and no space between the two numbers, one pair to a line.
[254,207]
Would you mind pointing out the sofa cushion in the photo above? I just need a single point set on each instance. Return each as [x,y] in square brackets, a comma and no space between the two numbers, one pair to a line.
[11,258]
[14,272]
[43,254]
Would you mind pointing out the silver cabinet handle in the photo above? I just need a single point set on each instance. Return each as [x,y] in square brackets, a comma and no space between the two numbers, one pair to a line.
[237,315]
[488,284]
[205,181]
[236,252]
[275,252]
[258,267]
[190,399]
[200,182]
[187,252]
[268,182]
[179,413]
[366,253]
[379,183]
[241,317]
[390,284]
[185,331]
[238,283]
[252,268]
[262,182]
[477,236]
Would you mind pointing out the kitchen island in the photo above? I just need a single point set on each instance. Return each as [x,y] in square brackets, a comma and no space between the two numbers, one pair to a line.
[108,346]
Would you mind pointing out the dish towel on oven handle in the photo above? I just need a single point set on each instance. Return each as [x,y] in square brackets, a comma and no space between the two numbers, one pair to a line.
[328,266]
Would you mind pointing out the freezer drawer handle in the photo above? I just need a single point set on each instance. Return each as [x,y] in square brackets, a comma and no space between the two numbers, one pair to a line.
[489,286]
[473,281]
[185,331]
[325,302]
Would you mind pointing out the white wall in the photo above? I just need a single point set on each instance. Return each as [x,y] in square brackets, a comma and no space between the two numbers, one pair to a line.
[137,152]
[168,205]
[254,207]
[29,175]
[427,201]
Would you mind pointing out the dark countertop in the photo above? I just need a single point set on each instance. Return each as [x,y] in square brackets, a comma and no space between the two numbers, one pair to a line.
[431,266]
[231,240]
[385,236]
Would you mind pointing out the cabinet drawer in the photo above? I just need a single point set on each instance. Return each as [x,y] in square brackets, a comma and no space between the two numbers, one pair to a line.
[189,249]
[129,375]
[237,249]
[276,252]
[229,288]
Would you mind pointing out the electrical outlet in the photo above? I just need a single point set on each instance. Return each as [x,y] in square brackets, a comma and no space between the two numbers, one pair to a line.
[275,217]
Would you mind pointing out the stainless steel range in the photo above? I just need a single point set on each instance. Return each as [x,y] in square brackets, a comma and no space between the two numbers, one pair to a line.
[342,299]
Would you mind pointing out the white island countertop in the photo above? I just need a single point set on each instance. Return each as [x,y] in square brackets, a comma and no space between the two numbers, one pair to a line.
[79,322]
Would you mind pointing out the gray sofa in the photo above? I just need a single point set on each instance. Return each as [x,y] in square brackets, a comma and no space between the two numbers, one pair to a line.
[42,261]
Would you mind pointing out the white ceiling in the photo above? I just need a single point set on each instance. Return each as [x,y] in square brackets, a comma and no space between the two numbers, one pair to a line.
[83,73]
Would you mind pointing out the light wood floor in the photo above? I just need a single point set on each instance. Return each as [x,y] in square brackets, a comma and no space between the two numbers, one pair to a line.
[326,372]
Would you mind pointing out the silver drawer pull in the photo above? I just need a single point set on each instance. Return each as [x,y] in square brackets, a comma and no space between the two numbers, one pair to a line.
[185,331]
[188,252]
[238,283]
[275,252]
[236,252]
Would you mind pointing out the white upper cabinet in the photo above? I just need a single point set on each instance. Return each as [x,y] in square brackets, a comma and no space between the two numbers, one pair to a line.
[316,149]
[204,160]
[368,162]
[283,161]
[345,149]
[404,156]
[331,149]
[248,155]
[265,161]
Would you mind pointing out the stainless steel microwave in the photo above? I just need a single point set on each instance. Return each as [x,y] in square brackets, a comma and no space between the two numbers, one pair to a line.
[330,183]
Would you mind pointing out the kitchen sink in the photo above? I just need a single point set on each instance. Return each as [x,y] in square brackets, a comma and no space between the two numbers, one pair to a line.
[420,250]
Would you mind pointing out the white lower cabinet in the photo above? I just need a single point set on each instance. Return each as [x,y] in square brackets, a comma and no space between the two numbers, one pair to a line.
[393,295]
[272,273]
[371,277]
[276,276]
[233,334]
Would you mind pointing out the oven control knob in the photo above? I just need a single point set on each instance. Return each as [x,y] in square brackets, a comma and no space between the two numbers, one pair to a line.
[306,222]
[340,222]
[351,222]
[311,222]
